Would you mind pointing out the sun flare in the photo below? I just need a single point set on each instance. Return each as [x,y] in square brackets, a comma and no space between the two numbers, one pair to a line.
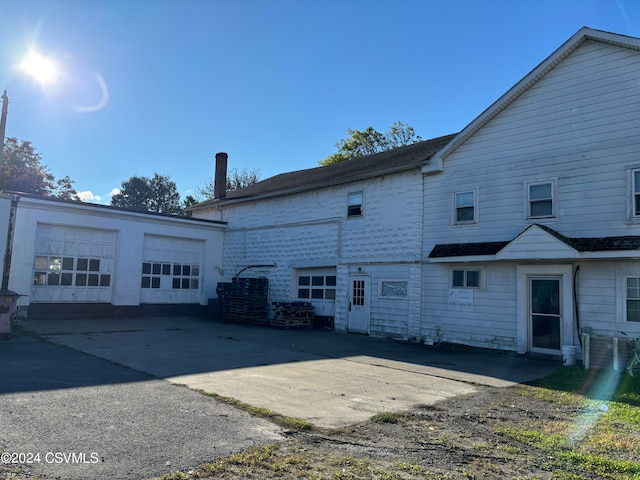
[42,69]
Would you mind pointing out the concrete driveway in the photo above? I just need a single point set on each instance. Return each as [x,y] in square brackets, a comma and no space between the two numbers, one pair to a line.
[329,378]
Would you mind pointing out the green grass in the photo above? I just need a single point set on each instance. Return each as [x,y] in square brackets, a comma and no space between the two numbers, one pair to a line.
[389,417]
[290,423]
[603,435]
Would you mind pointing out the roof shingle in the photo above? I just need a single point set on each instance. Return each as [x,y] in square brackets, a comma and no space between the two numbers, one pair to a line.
[395,160]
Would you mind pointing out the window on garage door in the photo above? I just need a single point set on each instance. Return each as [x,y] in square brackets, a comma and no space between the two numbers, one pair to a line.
[72,264]
[175,276]
[171,270]
[70,272]
[316,284]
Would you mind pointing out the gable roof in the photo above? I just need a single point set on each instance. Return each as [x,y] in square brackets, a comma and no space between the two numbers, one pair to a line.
[568,47]
[520,247]
[358,168]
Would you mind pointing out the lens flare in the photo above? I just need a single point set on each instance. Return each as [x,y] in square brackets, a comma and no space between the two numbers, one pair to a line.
[42,69]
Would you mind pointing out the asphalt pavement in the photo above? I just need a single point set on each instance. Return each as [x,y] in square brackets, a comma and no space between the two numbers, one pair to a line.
[70,415]
[121,392]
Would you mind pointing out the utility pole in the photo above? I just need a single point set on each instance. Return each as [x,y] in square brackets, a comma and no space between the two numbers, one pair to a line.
[3,124]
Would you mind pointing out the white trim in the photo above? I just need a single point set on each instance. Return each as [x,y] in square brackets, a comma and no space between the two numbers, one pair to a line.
[466,268]
[436,163]
[349,204]
[454,218]
[609,255]
[625,298]
[527,197]
[522,325]
[632,218]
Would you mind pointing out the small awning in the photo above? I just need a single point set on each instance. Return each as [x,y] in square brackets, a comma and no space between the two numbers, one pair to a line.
[538,242]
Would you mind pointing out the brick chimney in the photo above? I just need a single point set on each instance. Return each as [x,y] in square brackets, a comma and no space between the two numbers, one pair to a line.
[220,181]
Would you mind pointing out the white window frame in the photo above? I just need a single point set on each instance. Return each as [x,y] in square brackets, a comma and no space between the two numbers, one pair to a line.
[481,277]
[326,286]
[352,203]
[381,289]
[553,199]
[474,206]
[626,297]
[633,214]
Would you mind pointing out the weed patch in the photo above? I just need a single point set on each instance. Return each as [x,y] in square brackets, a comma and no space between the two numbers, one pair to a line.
[290,423]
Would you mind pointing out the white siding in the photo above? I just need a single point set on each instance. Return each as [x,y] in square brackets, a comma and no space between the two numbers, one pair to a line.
[491,323]
[311,229]
[578,126]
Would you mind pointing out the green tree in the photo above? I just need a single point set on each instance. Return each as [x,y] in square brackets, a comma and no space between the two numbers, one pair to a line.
[158,194]
[23,171]
[64,189]
[360,143]
[235,180]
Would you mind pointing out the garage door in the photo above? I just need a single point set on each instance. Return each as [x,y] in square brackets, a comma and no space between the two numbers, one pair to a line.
[171,270]
[73,264]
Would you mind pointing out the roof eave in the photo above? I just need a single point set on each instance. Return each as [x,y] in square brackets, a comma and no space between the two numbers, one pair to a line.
[580,37]
[223,202]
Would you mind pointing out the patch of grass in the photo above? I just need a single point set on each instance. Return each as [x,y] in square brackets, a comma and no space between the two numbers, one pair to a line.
[407,467]
[290,423]
[597,384]
[565,455]
[389,417]
[175,476]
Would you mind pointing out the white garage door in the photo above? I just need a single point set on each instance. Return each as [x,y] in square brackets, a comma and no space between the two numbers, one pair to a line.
[73,264]
[171,270]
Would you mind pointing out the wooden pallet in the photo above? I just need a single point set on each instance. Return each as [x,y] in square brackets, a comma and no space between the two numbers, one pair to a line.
[293,315]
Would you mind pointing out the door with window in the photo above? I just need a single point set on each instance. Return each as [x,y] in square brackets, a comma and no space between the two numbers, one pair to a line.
[545,313]
[359,313]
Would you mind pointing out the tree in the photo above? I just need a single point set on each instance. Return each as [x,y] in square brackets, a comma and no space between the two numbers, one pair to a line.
[65,190]
[235,180]
[370,141]
[22,171]
[158,194]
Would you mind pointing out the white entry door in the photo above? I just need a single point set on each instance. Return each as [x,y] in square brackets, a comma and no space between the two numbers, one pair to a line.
[359,307]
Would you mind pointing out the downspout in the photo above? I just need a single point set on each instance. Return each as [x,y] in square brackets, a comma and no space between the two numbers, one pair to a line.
[575,302]
[6,269]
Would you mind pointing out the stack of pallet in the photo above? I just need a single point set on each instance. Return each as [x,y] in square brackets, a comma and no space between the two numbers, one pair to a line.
[243,300]
[293,315]
[223,305]
[249,302]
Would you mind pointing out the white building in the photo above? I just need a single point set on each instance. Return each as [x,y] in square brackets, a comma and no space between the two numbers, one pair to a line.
[346,237]
[532,212]
[77,259]
[517,233]
[529,218]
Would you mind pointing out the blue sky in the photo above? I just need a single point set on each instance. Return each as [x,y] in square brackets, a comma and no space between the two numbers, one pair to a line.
[160,86]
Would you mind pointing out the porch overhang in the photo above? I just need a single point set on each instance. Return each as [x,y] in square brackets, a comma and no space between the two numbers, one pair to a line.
[539,243]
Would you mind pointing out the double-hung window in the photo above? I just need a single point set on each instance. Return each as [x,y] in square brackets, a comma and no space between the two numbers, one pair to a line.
[354,204]
[636,193]
[633,299]
[540,200]
[465,207]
